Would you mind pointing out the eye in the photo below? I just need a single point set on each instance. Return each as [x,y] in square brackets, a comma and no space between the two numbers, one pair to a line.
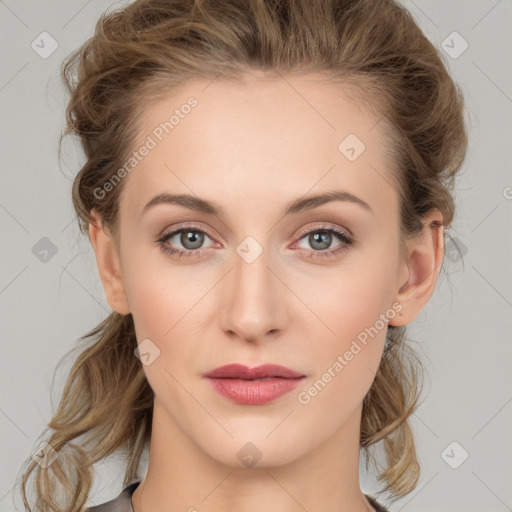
[190,237]
[321,238]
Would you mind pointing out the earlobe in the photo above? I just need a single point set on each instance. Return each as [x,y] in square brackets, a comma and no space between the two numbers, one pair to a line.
[109,266]
[419,273]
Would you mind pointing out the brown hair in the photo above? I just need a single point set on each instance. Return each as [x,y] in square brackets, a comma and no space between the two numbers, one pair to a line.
[137,55]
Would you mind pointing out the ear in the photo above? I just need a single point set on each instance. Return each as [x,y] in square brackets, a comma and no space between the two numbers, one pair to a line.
[419,273]
[109,266]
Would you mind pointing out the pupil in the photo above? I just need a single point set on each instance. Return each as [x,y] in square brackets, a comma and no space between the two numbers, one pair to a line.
[191,237]
[325,238]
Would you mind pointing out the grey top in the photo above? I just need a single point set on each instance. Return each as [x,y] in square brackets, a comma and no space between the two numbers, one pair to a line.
[123,503]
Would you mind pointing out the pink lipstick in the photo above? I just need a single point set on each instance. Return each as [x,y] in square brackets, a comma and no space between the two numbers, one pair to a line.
[253,386]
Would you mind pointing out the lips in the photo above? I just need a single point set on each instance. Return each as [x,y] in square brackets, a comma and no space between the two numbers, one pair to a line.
[253,386]
[266,371]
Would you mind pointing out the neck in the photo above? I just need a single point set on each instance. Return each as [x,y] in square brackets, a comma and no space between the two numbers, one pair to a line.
[182,477]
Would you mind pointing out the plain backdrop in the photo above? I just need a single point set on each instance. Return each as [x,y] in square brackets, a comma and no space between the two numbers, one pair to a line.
[50,292]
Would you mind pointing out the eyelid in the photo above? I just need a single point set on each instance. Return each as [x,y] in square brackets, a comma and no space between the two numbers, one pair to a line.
[326,225]
[186,225]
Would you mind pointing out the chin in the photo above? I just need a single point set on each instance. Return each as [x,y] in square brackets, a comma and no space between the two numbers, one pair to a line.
[256,451]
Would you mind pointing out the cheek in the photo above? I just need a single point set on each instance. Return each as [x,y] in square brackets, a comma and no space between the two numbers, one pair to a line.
[168,307]
[160,293]
[354,298]
[164,307]
[346,362]
[355,310]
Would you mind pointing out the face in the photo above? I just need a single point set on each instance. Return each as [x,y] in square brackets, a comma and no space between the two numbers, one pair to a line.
[311,289]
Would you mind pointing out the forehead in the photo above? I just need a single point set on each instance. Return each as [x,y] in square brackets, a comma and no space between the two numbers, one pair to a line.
[278,137]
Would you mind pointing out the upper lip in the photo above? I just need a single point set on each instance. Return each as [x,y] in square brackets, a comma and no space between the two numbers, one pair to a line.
[240,371]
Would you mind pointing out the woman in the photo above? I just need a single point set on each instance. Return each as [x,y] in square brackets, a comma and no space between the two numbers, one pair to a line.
[267,190]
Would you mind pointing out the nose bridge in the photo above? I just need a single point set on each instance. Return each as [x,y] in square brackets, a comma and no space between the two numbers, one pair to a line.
[253,304]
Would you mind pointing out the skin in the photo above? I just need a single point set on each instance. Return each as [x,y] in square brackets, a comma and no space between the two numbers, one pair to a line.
[253,147]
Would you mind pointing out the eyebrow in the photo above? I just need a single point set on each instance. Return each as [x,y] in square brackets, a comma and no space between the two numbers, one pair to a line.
[297,206]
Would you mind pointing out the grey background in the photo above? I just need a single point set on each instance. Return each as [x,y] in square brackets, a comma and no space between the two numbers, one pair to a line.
[463,335]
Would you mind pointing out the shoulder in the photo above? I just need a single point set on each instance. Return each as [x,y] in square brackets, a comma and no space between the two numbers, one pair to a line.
[122,503]
[376,505]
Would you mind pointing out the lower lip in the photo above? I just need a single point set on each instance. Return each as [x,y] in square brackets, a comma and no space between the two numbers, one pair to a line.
[254,392]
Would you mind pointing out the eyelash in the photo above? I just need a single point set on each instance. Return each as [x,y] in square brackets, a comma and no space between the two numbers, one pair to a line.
[347,242]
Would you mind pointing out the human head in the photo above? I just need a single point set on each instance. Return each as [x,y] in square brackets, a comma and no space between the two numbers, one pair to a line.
[377,54]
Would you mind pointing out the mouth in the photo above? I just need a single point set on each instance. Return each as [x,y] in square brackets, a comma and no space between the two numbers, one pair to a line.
[240,371]
[253,386]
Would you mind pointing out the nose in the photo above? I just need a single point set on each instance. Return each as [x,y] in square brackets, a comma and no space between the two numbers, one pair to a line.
[252,306]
